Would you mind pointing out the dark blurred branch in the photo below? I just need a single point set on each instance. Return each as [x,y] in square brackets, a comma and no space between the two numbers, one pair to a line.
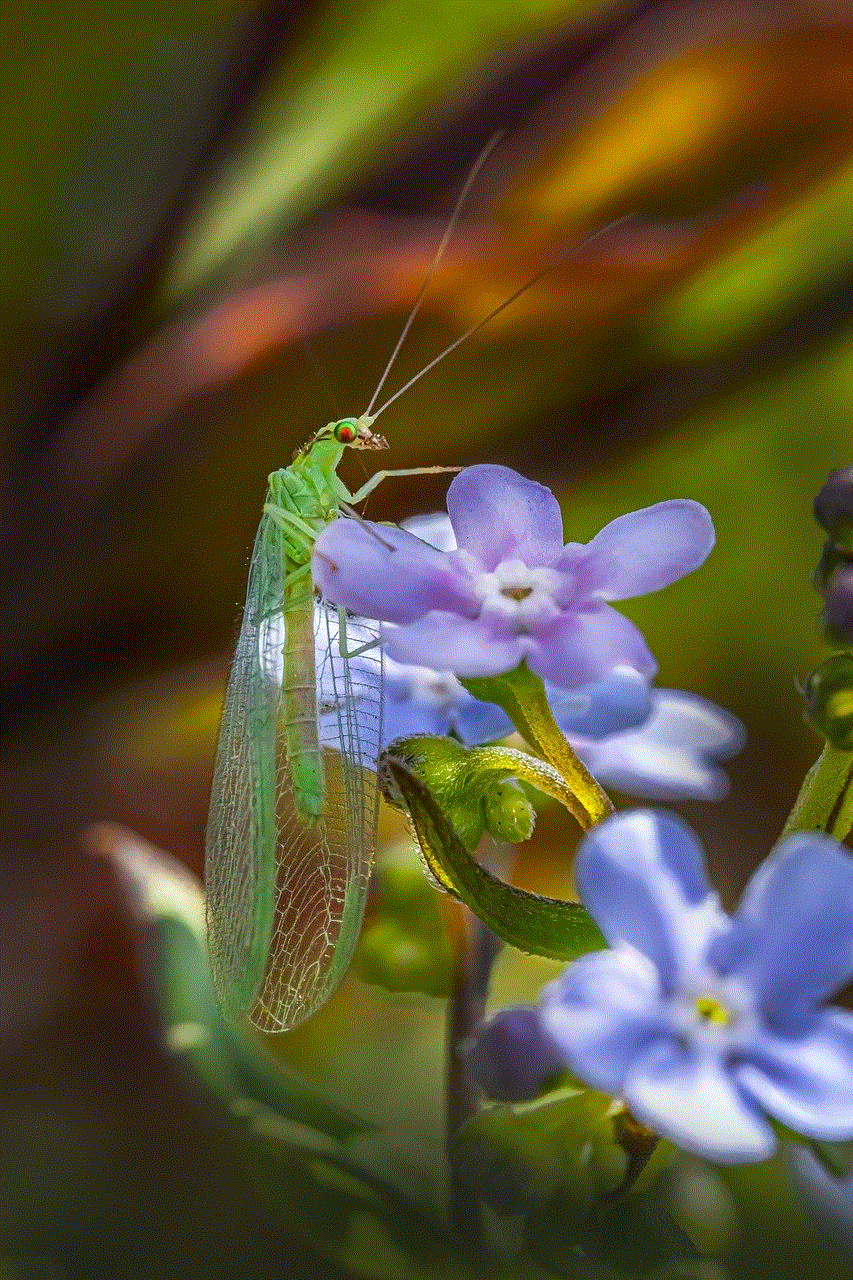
[104,336]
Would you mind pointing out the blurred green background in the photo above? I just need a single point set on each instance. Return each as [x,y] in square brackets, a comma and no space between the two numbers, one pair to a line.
[215,217]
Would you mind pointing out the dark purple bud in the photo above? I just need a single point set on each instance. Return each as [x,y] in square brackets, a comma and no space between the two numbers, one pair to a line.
[833,508]
[512,1058]
[838,601]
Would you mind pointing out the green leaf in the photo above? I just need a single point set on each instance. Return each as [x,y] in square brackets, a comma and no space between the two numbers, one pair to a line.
[562,1143]
[775,1241]
[232,1064]
[632,1237]
[538,925]
[347,1207]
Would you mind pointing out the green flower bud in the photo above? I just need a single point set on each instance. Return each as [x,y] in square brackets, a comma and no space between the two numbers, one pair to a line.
[474,793]
[510,816]
[829,701]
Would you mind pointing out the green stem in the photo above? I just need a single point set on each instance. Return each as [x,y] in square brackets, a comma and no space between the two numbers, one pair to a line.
[510,762]
[521,694]
[465,1009]
[475,949]
[825,802]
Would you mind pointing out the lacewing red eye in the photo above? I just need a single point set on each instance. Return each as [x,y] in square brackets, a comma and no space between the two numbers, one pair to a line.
[345,432]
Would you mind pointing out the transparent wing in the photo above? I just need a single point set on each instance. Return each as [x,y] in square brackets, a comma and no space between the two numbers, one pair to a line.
[241,829]
[286,890]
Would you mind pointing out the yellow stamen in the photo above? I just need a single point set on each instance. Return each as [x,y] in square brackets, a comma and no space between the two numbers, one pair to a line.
[711,1010]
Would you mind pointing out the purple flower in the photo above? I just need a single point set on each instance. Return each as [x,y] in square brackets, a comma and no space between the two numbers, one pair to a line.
[839,603]
[833,506]
[512,591]
[706,1024]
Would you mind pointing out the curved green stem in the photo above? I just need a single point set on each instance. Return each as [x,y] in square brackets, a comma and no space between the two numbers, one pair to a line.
[542,926]
[510,762]
[825,802]
[521,694]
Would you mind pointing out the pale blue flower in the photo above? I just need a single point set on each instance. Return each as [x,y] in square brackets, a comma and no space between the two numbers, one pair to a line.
[420,700]
[654,743]
[709,1024]
[512,591]
[671,754]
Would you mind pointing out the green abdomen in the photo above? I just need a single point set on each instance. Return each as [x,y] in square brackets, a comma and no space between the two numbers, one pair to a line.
[298,708]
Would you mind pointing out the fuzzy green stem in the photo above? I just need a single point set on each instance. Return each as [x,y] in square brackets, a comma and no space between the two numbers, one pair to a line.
[521,694]
[825,802]
[538,773]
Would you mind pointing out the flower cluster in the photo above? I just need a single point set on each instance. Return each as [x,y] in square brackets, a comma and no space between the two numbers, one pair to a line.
[710,1027]
[656,743]
[706,1024]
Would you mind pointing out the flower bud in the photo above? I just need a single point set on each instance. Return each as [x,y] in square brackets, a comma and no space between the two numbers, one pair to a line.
[829,701]
[511,1057]
[509,814]
[402,959]
[838,603]
[833,508]
[471,791]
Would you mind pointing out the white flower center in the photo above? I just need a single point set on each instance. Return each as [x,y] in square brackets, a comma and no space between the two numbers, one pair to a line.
[515,594]
[713,1015]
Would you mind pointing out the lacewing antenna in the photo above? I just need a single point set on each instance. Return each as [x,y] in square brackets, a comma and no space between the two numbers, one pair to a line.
[507,302]
[451,226]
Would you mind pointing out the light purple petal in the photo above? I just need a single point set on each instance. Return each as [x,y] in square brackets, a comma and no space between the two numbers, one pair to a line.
[642,877]
[578,648]
[792,934]
[434,529]
[384,572]
[602,1012]
[618,702]
[639,766]
[511,1057]
[643,551]
[478,722]
[693,1100]
[499,515]
[806,1081]
[446,641]
[685,719]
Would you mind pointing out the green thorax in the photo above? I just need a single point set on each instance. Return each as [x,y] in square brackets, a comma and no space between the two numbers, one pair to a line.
[310,487]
